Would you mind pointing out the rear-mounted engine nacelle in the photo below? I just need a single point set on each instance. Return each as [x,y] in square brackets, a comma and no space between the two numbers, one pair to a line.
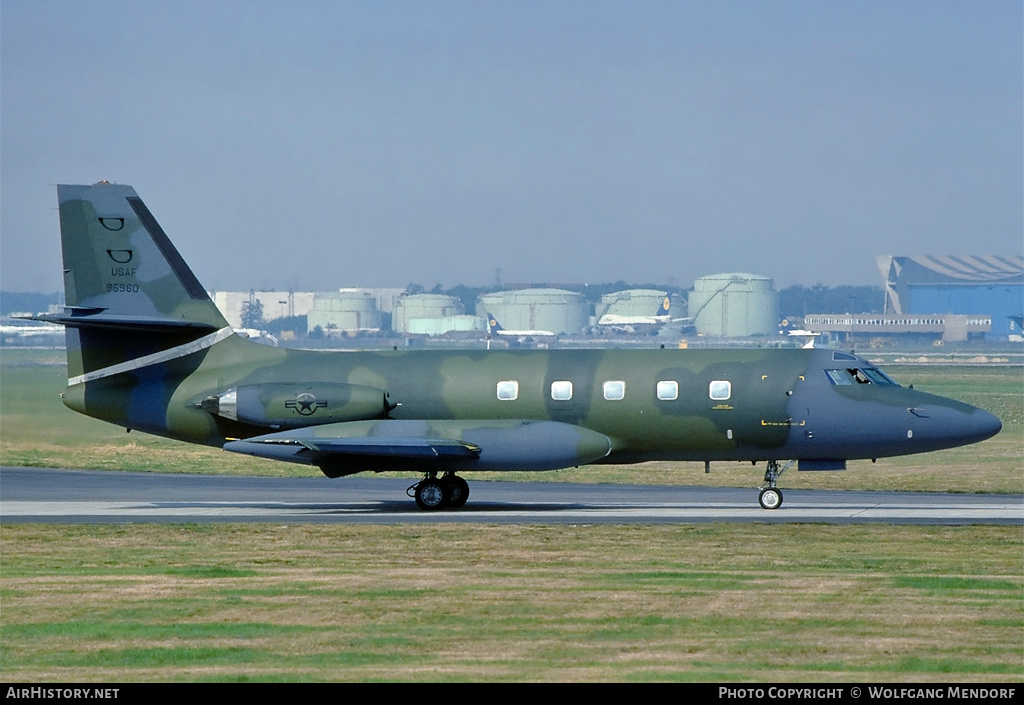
[282,405]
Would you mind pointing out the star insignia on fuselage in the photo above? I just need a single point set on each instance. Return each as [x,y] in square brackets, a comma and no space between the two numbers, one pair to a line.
[305,403]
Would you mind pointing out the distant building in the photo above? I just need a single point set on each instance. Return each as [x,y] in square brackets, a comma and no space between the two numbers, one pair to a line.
[276,304]
[947,327]
[973,286]
[286,304]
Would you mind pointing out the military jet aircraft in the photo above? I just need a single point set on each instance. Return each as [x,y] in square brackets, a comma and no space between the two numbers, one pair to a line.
[148,350]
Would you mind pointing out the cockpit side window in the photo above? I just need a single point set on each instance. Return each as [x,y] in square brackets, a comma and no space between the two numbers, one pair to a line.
[839,377]
[858,376]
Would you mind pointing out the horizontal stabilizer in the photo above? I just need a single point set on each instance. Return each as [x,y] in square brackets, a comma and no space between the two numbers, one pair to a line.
[95,318]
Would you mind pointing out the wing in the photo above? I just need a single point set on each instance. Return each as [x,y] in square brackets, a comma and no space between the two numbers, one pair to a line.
[357,446]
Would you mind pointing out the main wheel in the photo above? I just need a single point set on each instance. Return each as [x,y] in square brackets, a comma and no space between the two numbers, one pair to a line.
[430,495]
[456,491]
[770,498]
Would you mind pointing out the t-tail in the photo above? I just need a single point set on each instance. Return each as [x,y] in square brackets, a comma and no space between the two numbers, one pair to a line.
[136,317]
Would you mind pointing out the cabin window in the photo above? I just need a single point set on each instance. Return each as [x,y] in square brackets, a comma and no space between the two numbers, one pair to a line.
[720,390]
[508,390]
[561,390]
[615,390]
[668,390]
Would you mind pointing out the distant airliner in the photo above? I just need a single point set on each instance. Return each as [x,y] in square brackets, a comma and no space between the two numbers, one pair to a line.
[787,328]
[661,315]
[147,349]
[495,328]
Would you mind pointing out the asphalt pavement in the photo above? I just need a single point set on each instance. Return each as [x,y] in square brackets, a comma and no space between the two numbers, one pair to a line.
[55,496]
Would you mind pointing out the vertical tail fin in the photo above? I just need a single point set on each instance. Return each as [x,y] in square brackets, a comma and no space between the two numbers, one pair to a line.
[118,259]
[493,327]
[666,304]
[130,295]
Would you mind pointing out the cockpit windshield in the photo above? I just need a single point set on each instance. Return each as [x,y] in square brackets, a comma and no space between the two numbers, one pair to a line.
[849,376]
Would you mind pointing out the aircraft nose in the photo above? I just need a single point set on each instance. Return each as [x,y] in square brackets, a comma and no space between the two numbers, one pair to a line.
[962,428]
[981,425]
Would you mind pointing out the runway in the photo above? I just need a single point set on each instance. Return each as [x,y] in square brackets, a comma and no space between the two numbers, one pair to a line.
[93,496]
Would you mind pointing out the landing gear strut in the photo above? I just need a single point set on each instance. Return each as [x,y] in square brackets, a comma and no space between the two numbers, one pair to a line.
[432,493]
[771,496]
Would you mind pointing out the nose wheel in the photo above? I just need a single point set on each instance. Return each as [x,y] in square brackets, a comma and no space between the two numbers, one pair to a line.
[433,493]
[771,496]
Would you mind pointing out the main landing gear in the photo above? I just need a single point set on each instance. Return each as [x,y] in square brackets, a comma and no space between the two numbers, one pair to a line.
[771,496]
[434,493]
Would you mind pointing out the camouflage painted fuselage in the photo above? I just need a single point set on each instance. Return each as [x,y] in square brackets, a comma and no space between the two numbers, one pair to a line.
[781,403]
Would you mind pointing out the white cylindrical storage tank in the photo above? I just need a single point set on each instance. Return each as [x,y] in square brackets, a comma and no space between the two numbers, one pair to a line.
[632,303]
[344,311]
[734,305]
[424,306]
[554,311]
[439,326]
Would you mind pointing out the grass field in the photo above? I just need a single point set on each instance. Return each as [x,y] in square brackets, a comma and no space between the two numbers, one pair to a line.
[516,603]
[722,602]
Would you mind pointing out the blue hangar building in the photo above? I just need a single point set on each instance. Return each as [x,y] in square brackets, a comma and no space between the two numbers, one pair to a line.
[992,285]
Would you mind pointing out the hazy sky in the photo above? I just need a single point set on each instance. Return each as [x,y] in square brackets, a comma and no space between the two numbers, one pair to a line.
[318,145]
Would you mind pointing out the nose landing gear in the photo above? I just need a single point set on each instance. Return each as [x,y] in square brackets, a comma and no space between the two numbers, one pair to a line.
[771,496]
